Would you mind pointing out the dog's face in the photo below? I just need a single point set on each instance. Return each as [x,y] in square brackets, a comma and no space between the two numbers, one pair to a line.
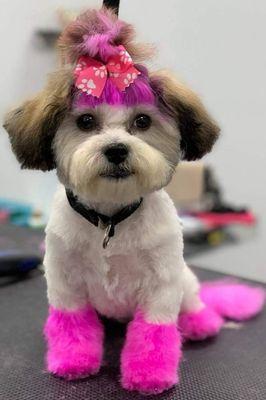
[116,153]
[109,152]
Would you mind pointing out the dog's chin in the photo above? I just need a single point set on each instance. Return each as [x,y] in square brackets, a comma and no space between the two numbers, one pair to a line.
[117,173]
[118,184]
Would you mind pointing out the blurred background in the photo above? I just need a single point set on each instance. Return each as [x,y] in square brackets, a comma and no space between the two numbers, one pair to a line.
[218,48]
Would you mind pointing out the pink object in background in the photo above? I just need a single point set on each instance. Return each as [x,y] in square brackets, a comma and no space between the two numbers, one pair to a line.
[216,220]
[4,215]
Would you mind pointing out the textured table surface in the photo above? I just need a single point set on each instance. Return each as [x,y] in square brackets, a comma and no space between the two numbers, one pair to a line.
[230,367]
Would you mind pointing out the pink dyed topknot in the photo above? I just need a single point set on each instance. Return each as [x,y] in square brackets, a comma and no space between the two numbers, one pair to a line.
[97,34]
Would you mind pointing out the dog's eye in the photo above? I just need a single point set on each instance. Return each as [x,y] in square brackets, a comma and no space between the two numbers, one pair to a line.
[86,122]
[142,122]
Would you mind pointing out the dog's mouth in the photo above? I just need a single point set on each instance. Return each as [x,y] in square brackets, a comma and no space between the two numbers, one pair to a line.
[117,173]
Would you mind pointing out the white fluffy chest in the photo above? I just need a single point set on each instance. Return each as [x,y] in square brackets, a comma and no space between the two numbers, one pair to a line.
[143,257]
[113,284]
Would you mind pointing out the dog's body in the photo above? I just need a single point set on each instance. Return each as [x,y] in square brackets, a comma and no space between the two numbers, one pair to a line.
[142,267]
[115,133]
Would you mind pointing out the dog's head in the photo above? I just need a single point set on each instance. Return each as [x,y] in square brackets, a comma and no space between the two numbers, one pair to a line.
[122,143]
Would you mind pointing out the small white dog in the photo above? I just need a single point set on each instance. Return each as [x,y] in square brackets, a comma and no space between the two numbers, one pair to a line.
[114,245]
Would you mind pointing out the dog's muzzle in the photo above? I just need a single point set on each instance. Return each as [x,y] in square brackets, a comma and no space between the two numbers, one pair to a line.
[116,153]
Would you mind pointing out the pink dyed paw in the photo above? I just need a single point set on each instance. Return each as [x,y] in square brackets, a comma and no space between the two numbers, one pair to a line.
[150,357]
[232,300]
[74,364]
[75,343]
[200,325]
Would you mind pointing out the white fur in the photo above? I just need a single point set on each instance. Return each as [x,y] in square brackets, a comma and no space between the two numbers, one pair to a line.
[142,267]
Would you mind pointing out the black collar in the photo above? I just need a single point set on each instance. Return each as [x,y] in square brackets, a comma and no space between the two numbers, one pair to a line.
[101,220]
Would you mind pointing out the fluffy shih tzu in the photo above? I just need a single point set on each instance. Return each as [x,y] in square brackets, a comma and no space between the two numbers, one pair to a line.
[115,132]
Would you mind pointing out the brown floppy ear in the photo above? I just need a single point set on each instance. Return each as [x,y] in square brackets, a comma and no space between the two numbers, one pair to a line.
[198,130]
[32,126]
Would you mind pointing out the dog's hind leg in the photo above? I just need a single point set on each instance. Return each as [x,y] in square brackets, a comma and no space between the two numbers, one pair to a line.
[206,306]
[197,321]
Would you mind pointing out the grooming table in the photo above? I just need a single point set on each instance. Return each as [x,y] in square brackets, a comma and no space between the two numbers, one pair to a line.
[229,367]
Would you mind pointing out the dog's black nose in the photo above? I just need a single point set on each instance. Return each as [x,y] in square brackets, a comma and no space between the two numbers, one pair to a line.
[116,153]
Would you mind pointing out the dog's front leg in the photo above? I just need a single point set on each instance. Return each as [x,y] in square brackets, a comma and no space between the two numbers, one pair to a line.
[73,330]
[152,351]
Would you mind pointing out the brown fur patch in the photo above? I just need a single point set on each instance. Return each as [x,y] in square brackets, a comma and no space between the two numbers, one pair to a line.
[32,126]
[198,130]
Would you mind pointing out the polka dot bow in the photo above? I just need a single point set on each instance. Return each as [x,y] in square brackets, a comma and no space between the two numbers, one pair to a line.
[91,75]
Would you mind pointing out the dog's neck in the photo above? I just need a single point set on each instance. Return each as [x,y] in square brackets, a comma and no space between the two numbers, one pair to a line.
[106,208]
[102,214]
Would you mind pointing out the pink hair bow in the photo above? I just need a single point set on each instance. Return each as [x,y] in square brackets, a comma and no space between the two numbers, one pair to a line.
[91,75]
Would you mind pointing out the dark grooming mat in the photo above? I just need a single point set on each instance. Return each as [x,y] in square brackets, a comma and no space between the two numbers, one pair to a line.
[230,367]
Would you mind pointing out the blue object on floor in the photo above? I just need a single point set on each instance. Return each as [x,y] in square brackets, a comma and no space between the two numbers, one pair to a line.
[14,262]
